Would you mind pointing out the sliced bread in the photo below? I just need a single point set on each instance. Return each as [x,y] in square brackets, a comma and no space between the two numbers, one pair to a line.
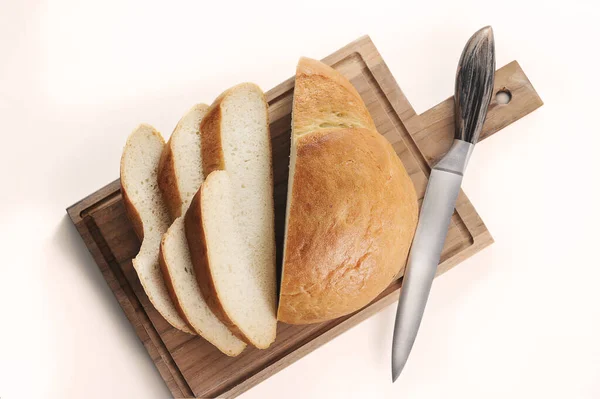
[179,177]
[230,222]
[148,213]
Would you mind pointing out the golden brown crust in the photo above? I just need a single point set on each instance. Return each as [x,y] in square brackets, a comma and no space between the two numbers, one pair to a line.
[133,215]
[350,226]
[196,238]
[210,133]
[169,283]
[167,181]
[308,66]
[353,208]
[324,99]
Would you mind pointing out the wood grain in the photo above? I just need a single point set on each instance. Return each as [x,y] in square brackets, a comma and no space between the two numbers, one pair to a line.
[192,367]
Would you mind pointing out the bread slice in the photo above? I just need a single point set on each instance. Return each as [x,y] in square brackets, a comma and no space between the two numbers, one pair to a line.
[179,177]
[351,209]
[230,222]
[180,170]
[148,213]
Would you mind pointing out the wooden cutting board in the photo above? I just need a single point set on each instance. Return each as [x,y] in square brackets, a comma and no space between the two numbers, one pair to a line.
[192,367]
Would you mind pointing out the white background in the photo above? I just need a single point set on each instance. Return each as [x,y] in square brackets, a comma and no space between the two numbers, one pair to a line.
[521,319]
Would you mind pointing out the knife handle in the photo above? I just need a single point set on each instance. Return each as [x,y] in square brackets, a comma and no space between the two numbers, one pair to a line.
[474,85]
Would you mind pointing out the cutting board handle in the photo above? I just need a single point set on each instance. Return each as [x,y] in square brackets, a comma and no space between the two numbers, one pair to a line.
[433,130]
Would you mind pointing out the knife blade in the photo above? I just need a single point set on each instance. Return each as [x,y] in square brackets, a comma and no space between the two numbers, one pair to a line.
[472,95]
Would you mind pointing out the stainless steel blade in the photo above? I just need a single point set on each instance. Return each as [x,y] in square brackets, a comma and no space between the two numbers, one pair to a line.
[474,86]
[434,220]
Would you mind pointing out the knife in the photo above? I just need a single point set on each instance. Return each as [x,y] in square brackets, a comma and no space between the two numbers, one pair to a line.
[472,96]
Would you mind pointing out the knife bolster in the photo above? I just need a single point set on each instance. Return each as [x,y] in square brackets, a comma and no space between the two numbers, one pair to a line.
[457,158]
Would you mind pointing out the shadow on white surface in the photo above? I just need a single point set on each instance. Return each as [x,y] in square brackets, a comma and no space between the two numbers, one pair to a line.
[129,350]
[67,240]
[433,349]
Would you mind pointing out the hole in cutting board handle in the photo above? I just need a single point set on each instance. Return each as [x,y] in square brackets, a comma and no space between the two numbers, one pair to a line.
[503,96]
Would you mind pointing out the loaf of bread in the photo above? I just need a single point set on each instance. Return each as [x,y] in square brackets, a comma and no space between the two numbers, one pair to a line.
[230,222]
[351,209]
[148,213]
[179,177]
